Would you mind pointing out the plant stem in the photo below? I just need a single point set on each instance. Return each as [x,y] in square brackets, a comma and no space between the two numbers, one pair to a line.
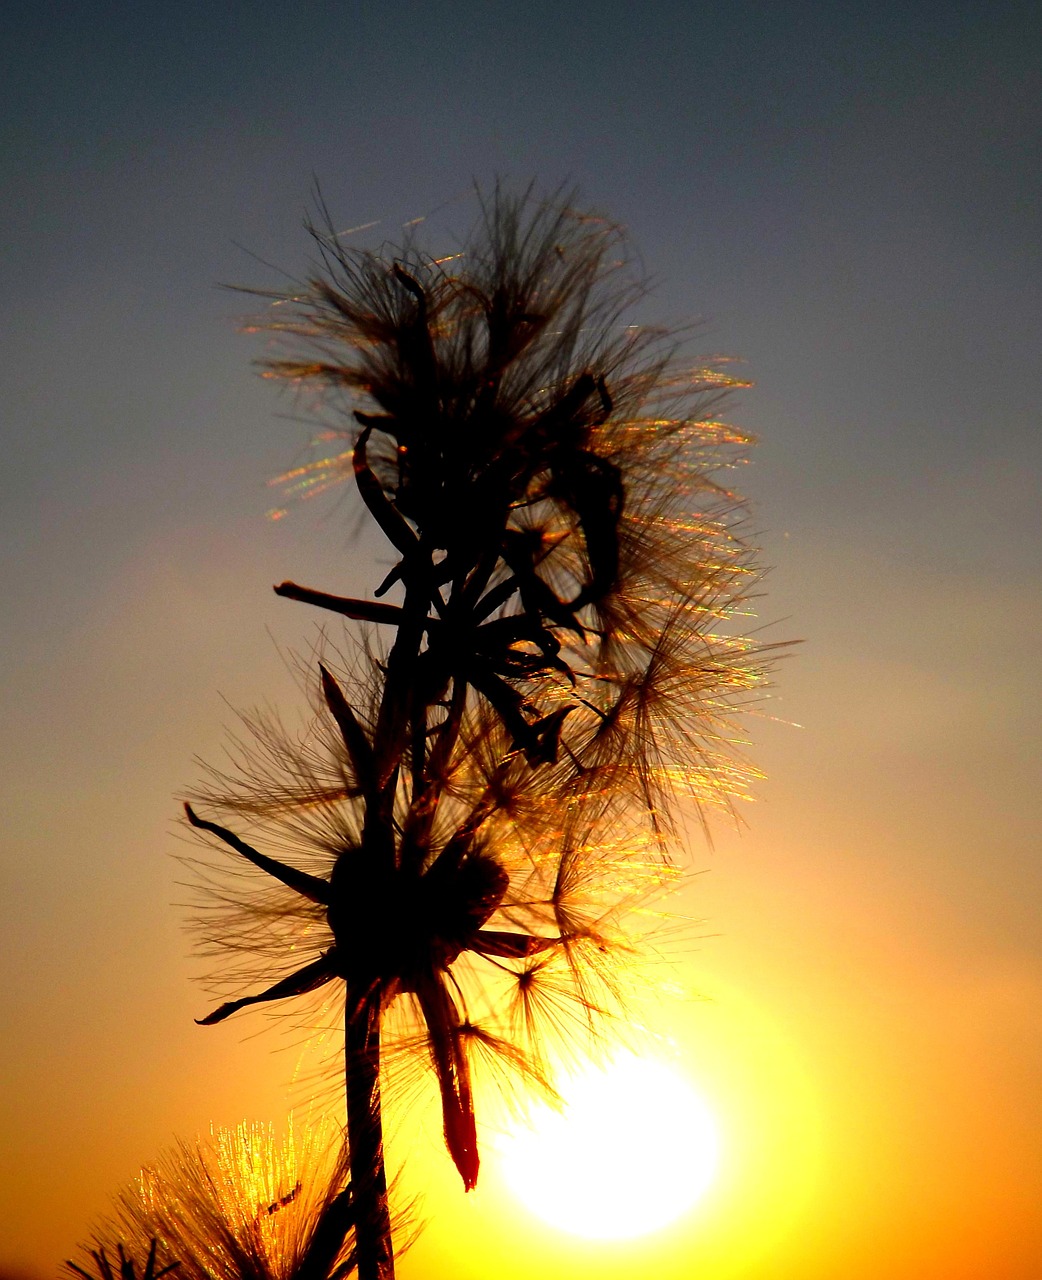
[365,1134]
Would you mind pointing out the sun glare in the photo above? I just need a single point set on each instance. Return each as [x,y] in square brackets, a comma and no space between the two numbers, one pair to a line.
[632,1148]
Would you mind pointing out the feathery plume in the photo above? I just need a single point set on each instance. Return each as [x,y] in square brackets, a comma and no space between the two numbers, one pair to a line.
[242,1207]
[473,811]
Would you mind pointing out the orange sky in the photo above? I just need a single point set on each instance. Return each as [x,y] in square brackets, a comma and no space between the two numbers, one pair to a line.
[856,1002]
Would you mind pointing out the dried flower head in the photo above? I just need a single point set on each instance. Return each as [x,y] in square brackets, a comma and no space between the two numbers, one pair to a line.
[546,473]
[454,843]
[242,1207]
[496,921]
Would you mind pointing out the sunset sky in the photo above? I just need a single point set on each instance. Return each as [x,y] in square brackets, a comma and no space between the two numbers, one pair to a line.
[845,198]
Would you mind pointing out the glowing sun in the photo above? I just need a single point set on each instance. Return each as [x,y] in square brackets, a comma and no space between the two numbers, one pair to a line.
[633,1147]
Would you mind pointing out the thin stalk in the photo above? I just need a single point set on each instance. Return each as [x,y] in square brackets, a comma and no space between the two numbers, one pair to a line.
[365,1135]
[375,1251]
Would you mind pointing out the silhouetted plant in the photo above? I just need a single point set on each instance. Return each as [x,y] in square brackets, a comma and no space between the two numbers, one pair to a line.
[493,782]
[244,1207]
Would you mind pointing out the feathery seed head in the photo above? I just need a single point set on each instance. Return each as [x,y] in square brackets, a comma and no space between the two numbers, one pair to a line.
[546,472]
[477,809]
[242,1207]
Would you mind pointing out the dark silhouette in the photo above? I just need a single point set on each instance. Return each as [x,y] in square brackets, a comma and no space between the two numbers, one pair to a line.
[491,783]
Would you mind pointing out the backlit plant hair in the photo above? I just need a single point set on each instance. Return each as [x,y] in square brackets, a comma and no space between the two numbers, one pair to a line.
[243,1206]
[454,847]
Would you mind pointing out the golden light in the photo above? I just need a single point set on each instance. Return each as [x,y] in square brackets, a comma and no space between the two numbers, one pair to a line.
[632,1148]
